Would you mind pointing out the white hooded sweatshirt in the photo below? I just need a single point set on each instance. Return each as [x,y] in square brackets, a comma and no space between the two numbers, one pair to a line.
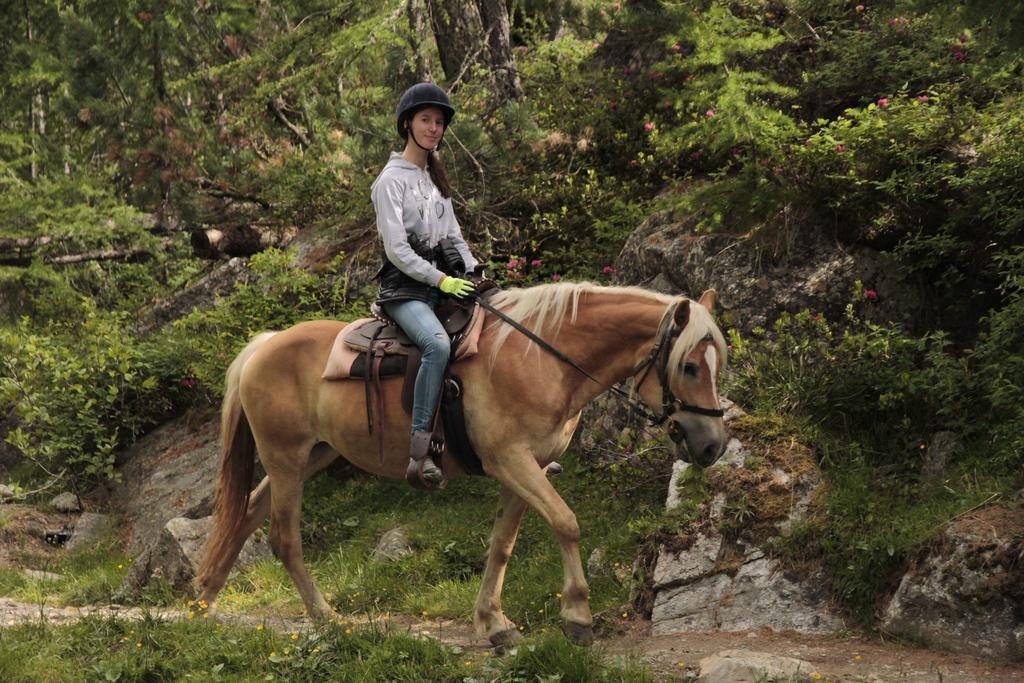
[408,203]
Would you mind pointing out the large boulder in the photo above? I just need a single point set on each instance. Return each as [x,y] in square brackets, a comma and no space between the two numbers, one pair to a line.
[177,552]
[967,594]
[170,472]
[756,281]
[717,574]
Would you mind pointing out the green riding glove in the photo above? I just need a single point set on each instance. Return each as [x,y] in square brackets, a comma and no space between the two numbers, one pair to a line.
[455,286]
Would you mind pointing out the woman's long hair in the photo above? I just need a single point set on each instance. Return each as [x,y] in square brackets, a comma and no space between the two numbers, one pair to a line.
[439,174]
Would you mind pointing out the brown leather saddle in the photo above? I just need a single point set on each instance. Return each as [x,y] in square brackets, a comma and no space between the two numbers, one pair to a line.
[385,351]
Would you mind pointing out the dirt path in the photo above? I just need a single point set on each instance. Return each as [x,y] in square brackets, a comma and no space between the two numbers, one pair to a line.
[671,658]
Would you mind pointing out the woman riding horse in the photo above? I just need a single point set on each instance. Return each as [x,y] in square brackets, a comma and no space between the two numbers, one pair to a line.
[522,407]
[412,199]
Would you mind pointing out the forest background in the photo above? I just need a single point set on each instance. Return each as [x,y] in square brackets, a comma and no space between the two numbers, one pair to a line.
[131,129]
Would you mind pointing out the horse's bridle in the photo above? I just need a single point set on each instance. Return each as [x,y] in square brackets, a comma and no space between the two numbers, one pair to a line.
[656,359]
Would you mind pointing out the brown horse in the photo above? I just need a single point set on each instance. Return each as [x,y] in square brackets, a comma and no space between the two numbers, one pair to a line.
[522,406]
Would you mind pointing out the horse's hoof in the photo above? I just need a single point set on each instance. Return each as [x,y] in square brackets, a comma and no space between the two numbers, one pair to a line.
[553,469]
[503,641]
[581,634]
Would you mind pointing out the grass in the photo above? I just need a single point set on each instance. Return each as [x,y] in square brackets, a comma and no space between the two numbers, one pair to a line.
[449,531]
[106,649]
[87,576]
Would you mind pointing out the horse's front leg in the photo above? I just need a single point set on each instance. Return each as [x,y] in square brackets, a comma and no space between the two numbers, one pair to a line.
[488,617]
[521,474]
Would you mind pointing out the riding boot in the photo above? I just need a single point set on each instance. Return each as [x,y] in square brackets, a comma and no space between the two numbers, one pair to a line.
[422,470]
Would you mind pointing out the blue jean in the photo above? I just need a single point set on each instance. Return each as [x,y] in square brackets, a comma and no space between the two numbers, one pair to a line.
[420,324]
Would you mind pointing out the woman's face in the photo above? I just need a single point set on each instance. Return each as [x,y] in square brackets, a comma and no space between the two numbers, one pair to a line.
[428,126]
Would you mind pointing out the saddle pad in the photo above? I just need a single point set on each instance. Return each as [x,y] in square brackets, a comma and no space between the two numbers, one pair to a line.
[339,362]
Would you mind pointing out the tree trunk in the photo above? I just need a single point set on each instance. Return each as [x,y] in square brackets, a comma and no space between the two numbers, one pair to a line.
[459,34]
[475,32]
[499,46]
[417,29]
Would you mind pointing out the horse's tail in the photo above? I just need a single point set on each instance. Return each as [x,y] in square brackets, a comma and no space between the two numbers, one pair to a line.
[237,464]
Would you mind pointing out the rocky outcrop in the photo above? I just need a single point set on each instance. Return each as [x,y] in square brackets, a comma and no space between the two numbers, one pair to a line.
[715,577]
[171,472]
[219,281]
[967,594]
[757,281]
[177,553]
[706,596]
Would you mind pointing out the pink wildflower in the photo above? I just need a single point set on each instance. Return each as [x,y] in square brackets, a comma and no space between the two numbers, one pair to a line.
[710,113]
[607,270]
[959,56]
[677,48]
[884,102]
[617,6]
[535,262]
[922,98]
[859,8]
[632,162]
[840,148]
[648,126]
[614,104]
[870,295]
[512,264]
[597,45]
[556,277]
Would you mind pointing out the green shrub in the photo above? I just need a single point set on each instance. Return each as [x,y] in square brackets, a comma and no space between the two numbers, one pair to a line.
[279,295]
[83,391]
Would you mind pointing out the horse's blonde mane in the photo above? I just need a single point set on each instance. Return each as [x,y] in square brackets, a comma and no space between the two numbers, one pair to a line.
[547,304]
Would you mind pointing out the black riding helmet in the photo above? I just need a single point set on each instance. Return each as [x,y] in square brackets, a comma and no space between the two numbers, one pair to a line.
[419,96]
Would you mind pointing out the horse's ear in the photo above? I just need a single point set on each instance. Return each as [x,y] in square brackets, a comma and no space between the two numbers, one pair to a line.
[682,314]
[707,299]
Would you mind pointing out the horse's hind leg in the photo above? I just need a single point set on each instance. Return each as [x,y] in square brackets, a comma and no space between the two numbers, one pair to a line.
[286,540]
[488,616]
[211,584]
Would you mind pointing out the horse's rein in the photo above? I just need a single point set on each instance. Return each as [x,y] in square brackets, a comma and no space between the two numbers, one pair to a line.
[666,332]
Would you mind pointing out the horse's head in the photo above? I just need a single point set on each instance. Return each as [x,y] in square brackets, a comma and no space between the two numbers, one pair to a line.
[692,354]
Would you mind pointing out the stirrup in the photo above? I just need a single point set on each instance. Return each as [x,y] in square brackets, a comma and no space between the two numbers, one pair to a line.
[422,472]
